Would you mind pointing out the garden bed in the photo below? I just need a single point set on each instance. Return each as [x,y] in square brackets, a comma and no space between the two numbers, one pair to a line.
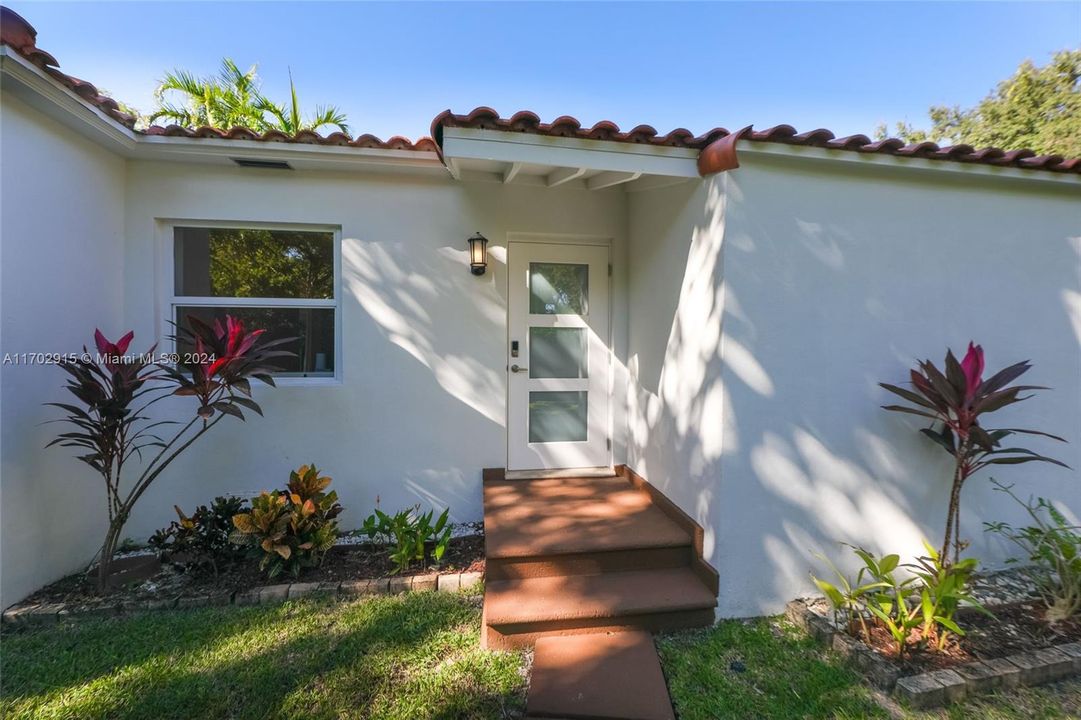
[1014,646]
[1015,628]
[350,563]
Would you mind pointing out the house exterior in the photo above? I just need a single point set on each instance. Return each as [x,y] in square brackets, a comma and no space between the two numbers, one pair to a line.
[712,311]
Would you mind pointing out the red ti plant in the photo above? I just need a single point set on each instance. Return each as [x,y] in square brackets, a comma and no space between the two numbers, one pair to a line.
[114,390]
[956,401]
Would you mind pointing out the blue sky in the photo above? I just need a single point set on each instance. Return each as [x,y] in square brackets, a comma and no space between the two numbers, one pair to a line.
[393,67]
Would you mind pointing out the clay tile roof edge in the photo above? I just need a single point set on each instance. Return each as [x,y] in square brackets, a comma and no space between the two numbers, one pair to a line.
[716,148]
[21,37]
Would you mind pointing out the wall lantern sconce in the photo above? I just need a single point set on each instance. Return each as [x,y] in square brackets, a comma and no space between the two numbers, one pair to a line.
[478,254]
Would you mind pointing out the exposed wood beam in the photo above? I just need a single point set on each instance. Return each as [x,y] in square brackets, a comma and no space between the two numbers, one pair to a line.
[610,179]
[511,172]
[564,175]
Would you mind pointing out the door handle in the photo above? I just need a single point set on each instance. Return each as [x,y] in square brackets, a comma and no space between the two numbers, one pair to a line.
[517,369]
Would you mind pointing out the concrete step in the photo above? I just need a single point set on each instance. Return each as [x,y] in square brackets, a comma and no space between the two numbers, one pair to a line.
[598,677]
[518,612]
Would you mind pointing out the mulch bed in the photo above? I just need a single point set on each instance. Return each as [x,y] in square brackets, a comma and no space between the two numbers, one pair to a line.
[1015,628]
[341,563]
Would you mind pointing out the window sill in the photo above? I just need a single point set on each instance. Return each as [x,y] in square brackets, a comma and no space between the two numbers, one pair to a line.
[288,382]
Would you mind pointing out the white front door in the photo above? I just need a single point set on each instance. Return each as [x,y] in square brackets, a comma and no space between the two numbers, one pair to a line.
[557,357]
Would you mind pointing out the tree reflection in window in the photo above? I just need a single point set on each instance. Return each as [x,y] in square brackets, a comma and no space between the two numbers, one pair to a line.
[558,289]
[229,262]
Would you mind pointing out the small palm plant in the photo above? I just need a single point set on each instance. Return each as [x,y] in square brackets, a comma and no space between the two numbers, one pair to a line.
[955,402]
[233,98]
[290,121]
[225,101]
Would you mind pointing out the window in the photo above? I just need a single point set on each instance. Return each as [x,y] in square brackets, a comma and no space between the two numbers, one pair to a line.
[283,280]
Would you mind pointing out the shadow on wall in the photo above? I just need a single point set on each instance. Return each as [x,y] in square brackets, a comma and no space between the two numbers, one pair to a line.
[427,304]
[760,416]
[676,402]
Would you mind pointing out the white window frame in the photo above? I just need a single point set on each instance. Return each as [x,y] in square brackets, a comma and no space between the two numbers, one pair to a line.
[171,300]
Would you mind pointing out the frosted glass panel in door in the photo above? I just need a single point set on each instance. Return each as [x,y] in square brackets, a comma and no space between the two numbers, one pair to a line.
[558,353]
[558,416]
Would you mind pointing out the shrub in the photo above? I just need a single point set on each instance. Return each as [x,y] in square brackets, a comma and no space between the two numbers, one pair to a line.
[201,541]
[944,590]
[291,529]
[877,593]
[1053,546]
[955,400]
[926,600]
[411,533]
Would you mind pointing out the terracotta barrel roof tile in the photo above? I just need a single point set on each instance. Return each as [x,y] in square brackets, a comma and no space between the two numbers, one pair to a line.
[813,137]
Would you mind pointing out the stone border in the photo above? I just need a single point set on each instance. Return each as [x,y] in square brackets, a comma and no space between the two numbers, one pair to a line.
[940,687]
[42,613]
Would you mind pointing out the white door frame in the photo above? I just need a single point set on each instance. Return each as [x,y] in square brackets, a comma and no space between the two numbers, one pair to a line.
[516,238]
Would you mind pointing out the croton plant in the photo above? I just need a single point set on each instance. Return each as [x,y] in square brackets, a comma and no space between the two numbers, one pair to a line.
[956,401]
[114,390]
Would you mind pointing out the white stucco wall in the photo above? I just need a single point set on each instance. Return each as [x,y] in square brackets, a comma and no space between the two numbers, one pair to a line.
[768,302]
[753,314]
[421,406]
[61,263]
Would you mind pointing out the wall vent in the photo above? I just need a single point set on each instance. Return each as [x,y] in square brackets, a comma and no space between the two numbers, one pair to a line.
[265,164]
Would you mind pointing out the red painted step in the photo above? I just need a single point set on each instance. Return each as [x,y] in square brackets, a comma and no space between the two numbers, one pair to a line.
[517,612]
[577,555]
[598,677]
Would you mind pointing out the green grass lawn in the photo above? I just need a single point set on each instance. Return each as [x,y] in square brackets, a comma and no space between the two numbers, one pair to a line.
[397,657]
[786,675]
[414,656]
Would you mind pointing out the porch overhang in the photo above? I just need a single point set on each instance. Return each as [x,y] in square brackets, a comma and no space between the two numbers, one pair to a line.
[485,155]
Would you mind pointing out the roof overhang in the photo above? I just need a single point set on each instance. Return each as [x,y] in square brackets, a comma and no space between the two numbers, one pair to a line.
[810,156]
[475,154]
[509,155]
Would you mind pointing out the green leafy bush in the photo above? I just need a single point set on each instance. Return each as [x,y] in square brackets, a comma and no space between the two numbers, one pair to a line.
[201,541]
[414,536]
[292,529]
[944,590]
[876,594]
[926,600]
[1053,545]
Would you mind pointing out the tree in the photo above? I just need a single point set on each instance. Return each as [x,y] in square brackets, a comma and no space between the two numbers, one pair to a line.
[233,98]
[1038,108]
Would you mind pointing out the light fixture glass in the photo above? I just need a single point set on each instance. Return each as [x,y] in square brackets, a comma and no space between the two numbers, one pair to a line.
[478,254]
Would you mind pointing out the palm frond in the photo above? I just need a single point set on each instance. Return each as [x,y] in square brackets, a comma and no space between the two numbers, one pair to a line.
[294,107]
[181,81]
[329,115]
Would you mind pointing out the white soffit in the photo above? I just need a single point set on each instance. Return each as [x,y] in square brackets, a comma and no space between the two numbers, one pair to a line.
[473,154]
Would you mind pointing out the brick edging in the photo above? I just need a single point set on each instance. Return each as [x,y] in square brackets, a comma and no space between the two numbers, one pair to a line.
[263,595]
[941,687]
